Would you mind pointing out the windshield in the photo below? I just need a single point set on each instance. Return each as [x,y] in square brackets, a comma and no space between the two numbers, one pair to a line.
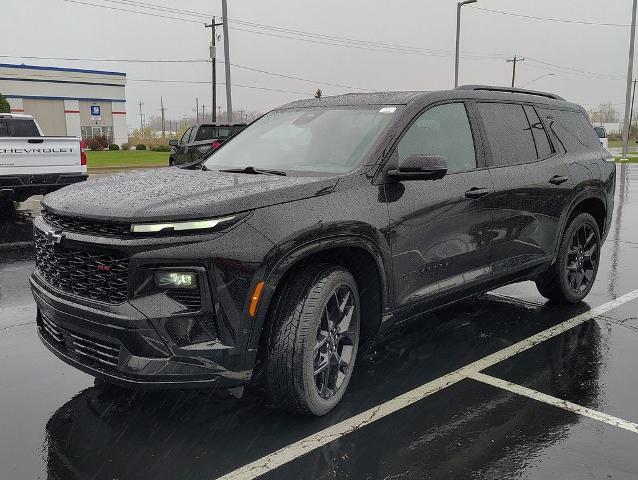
[322,139]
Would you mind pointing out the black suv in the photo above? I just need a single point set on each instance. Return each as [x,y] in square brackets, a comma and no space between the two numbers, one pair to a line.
[199,139]
[324,224]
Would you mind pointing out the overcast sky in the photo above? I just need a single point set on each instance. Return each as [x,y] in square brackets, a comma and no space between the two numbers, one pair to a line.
[55,28]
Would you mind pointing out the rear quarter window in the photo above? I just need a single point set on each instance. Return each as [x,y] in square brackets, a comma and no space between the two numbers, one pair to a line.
[572,128]
[21,128]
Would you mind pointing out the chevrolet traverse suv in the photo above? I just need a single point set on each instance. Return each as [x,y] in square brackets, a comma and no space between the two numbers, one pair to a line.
[316,230]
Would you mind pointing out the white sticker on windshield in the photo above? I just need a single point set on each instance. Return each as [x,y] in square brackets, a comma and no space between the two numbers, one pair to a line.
[388,110]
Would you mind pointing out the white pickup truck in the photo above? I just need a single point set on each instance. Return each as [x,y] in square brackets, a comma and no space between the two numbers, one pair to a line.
[32,164]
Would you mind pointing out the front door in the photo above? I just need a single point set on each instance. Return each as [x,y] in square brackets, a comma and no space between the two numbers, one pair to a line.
[181,151]
[439,230]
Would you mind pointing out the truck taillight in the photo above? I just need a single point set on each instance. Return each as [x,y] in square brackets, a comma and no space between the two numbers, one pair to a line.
[216,144]
[82,153]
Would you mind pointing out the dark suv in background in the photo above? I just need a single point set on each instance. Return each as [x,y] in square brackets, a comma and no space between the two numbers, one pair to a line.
[198,140]
[323,225]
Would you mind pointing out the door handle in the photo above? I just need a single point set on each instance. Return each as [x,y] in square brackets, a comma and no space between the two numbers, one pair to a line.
[476,192]
[35,140]
[557,180]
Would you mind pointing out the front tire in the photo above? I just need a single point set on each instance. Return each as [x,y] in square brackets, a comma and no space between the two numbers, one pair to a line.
[572,276]
[313,340]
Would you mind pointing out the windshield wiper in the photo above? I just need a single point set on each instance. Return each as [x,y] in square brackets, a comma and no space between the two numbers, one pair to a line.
[254,171]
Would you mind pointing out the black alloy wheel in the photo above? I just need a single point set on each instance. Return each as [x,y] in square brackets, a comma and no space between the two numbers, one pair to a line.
[572,275]
[582,259]
[313,339]
[337,337]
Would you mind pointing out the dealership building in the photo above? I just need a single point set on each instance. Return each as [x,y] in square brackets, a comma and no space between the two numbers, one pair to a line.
[68,101]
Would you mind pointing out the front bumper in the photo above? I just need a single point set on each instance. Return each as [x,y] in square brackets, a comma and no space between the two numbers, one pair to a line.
[123,347]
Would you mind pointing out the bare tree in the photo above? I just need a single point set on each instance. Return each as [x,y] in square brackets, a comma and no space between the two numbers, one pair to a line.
[604,113]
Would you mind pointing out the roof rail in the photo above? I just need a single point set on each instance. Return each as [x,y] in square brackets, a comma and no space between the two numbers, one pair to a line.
[487,88]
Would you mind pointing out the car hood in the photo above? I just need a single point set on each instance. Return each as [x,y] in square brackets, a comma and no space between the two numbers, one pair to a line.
[174,193]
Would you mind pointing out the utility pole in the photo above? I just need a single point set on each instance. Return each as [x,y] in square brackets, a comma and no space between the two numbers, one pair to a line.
[213,61]
[203,113]
[219,111]
[163,124]
[141,117]
[197,108]
[631,115]
[514,61]
[229,100]
[630,76]
[458,39]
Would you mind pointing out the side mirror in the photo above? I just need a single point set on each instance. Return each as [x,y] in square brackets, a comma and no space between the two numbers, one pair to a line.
[421,167]
[173,143]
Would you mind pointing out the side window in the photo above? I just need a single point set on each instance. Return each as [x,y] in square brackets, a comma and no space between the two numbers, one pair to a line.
[445,131]
[186,136]
[3,129]
[572,123]
[205,133]
[509,133]
[543,147]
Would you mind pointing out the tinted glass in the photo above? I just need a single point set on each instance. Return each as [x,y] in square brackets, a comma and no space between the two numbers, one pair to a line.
[543,147]
[444,131]
[317,139]
[509,133]
[206,133]
[572,128]
[22,128]
[3,129]
[600,131]
[186,136]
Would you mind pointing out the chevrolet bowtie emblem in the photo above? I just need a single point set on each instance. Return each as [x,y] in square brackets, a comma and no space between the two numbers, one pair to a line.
[55,237]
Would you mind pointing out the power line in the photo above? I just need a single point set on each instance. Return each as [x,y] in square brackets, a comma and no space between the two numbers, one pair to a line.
[298,35]
[550,19]
[244,67]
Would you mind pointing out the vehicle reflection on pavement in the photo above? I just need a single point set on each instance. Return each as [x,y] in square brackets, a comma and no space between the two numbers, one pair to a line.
[107,432]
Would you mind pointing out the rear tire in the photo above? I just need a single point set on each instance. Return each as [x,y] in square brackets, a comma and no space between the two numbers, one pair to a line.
[572,276]
[171,162]
[313,340]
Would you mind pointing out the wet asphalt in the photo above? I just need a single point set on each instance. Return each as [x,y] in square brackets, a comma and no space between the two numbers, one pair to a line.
[56,423]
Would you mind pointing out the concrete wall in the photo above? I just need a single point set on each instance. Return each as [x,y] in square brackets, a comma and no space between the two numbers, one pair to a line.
[72,118]
[49,115]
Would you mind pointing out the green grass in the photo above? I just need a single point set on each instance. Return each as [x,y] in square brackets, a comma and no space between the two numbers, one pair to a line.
[631,159]
[126,158]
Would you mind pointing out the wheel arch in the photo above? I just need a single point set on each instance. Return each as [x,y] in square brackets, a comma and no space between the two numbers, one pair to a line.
[357,254]
[590,201]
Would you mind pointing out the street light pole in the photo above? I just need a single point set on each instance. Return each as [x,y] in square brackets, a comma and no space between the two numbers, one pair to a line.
[458,39]
[630,77]
[537,79]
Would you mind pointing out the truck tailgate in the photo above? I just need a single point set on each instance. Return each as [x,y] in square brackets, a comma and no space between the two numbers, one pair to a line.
[20,156]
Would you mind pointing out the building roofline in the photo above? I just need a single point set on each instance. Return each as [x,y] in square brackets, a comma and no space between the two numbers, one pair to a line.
[60,69]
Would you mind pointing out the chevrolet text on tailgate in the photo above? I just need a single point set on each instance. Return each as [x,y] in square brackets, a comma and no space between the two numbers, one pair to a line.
[32,164]
[279,256]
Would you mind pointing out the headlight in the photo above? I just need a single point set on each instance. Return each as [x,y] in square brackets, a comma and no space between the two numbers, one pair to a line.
[181,226]
[182,280]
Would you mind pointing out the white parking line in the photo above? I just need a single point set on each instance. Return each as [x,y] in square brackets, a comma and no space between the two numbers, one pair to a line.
[557,402]
[352,424]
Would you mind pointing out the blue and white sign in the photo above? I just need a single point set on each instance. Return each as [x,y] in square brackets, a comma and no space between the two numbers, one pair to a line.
[96,112]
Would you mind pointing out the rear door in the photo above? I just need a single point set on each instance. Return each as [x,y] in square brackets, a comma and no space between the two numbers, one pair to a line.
[203,141]
[439,230]
[532,185]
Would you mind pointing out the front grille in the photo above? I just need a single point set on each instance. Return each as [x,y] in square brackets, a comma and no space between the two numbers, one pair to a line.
[95,350]
[84,225]
[101,276]
[91,351]
[191,299]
